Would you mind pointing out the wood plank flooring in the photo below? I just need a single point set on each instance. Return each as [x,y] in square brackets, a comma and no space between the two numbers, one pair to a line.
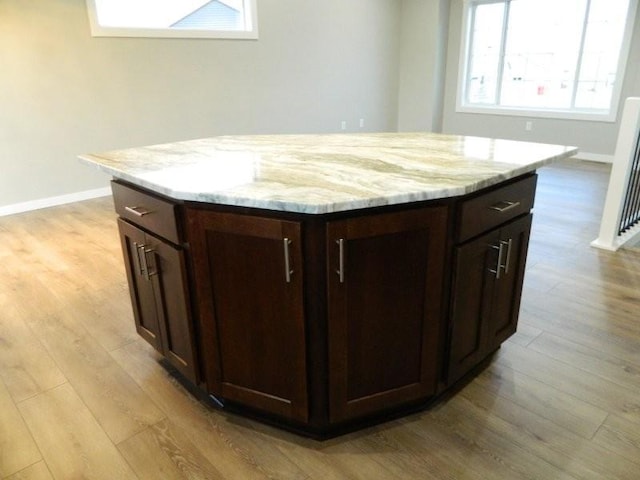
[81,396]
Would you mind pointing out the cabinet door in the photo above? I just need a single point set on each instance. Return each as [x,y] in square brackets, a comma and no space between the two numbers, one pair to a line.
[508,288]
[140,288]
[158,287]
[473,284]
[385,284]
[250,275]
[487,285]
[168,274]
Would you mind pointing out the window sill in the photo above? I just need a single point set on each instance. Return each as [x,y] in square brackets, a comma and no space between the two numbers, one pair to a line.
[172,33]
[608,117]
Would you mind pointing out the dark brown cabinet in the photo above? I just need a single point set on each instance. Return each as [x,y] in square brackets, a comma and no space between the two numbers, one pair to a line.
[250,282]
[382,276]
[321,322]
[159,289]
[141,288]
[384,309]
[488,273]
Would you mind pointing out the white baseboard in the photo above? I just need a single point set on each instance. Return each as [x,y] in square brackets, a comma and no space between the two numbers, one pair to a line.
[594,157]
[53,201]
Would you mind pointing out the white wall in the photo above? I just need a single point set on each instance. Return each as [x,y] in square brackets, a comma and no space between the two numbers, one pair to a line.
[63,92]
[597,138]
[423,46]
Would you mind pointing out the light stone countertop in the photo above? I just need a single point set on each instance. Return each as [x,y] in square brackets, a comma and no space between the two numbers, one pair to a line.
[319,174]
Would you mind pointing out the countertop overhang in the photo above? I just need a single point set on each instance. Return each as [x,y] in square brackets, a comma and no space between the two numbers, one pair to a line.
[319,174]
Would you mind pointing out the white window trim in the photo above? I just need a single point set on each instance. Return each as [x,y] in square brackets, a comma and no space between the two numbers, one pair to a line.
[98,30]
[592,115]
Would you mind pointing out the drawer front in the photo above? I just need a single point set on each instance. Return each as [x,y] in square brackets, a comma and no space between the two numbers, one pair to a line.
[488,210]
[147,211]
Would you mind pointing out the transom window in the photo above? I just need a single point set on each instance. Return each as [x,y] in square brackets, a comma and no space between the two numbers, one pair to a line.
[561,58]
[173,18]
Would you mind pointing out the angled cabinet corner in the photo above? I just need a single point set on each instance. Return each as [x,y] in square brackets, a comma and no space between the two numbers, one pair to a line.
[158,285]
[488,274]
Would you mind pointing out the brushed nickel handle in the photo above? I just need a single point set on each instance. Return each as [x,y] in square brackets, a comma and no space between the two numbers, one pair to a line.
[142,260]
[142,252]
[287,260]
[509,244]
[137,246]
[148,270]
[506,206]
[340,270]
[137,211]
[499,266]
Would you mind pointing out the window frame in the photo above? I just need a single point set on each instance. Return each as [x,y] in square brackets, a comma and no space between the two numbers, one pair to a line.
[567,114]
[98,30]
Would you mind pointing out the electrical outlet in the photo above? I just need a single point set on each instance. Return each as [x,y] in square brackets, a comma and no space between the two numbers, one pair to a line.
[528,126]
[343,125]
[361,122]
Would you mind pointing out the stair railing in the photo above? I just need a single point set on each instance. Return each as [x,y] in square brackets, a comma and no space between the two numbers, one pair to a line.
[620,223]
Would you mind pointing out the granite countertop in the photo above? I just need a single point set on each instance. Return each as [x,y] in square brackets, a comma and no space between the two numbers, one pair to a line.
[319,174]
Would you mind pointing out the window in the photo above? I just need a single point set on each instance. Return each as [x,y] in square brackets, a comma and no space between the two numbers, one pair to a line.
[173,18]
[557,58]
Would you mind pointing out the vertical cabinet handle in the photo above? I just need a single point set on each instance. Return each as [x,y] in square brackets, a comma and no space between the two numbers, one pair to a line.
[501,253]
[508,260]
[137,246]
[146,265]
[287,260]
[340,270]
[500,248]
[143,264]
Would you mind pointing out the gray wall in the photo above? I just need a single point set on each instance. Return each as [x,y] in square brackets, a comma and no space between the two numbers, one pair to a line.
[63,92]
[423,43]
[393,63]
[597,138]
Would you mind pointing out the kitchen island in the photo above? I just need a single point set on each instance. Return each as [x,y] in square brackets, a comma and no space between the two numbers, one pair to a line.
[321,282]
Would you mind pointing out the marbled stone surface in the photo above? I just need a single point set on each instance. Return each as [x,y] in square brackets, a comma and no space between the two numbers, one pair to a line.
[325,173]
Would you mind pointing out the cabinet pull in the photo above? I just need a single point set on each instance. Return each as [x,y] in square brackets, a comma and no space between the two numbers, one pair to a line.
[137,211]
[504,206]
[144,267]
[149,272]
[501,253]
[287,260]
[499,266]
[137,246]
[340,270]
[506,263]
[142,252]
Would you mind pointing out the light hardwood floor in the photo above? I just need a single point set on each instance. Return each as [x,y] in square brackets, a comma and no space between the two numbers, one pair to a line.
[81,396]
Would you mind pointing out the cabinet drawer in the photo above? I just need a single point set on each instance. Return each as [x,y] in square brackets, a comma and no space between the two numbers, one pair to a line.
[488,210]
[147,211]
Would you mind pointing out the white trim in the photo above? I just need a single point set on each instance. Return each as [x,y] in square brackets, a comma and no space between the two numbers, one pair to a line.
[99,31]
[596,116]
[530,112]
[251,32]
[594,157]
[629,239]
[54,201]
[465,47]
[623,60]
[609,238]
